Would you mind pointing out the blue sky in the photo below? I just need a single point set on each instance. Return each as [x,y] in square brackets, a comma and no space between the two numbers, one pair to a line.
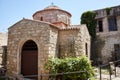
[11,11]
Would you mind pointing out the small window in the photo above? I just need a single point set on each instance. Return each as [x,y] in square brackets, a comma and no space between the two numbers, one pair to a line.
[112,24]
[116,53]
[86,49]
[116,47]
[41,18]
[100,25]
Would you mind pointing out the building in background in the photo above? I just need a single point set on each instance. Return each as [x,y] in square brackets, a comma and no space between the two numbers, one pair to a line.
[108,30]
[3,49]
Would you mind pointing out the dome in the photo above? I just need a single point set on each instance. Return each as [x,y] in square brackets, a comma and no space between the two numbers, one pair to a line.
[53,14]
[52,7]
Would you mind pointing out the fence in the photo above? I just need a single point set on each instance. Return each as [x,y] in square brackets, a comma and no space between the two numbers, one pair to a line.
[58,76]
[109,69]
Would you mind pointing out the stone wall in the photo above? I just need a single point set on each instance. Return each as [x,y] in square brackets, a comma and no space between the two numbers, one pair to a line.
[67,42]
[85,39]
[53,47]
[51,42]
[3,55]
[72,42]
[53,16]
[110,38]
[24,30]
[3,39]
[114,11]
[3,44]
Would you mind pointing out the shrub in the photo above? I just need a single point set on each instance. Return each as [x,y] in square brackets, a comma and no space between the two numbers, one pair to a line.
[70,64]
[88,18]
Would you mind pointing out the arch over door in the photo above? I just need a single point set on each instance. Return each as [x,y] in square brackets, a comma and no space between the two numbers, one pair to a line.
[29,59]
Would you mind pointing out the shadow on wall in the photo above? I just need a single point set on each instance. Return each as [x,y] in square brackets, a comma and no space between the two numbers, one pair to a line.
[96,50]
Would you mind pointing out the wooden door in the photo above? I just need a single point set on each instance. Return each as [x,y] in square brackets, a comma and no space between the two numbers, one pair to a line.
[29,60]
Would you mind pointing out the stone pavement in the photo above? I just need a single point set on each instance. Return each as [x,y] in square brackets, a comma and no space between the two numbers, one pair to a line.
[116,79]
[107,77]
[118,74]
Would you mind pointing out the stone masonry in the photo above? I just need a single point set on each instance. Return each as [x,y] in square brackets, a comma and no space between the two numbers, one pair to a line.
[3,44]
[108,29]
[25,30]
[53,35]
[73,41]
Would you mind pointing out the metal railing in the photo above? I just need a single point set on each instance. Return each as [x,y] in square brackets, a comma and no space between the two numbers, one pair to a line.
[58,76]
[110,71]
[110,68]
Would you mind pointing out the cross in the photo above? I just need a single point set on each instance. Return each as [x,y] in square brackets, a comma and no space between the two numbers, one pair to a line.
[52,3]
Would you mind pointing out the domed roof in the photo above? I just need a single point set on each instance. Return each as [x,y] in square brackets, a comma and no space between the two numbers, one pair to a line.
[52,7]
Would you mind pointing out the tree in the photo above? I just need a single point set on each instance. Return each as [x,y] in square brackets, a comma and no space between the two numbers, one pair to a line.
[88,18]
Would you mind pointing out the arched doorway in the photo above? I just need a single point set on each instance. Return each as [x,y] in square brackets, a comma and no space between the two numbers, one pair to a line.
[29,59]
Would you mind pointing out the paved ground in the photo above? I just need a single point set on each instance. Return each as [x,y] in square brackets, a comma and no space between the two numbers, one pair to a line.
[107,76]
[118,74]
[116,79]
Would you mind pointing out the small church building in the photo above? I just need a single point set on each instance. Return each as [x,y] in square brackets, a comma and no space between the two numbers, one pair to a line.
[31,42]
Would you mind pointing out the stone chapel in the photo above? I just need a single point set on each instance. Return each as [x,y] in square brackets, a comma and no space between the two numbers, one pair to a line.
[49,34]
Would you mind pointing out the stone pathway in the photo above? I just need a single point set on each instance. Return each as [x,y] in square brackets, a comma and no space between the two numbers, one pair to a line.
[107,77]
[118,74]
[116,79]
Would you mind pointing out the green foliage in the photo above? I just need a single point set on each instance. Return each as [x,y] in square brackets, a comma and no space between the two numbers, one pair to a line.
[108,10]
[2,79]
[69,64]
[88,18]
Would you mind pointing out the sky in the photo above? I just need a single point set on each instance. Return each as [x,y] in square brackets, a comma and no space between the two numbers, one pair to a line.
[12,11]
